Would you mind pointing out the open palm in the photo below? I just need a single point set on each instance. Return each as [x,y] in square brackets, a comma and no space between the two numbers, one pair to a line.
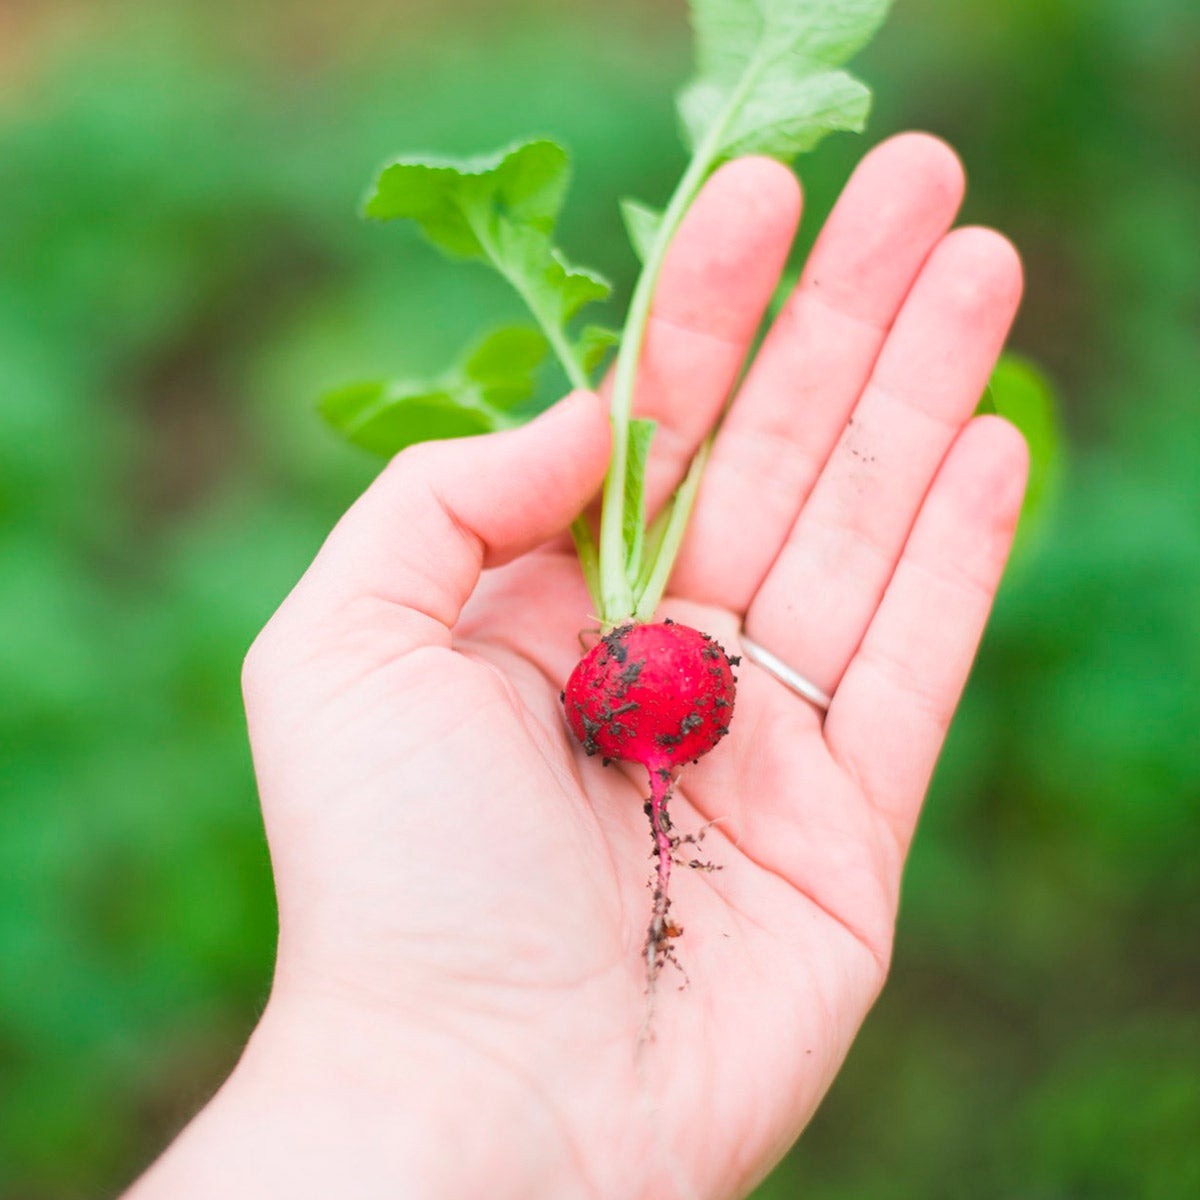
[461,885]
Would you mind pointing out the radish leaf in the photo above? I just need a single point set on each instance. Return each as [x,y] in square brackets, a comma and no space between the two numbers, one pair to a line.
[473,396]
[503,365]
[460,202]
[500,209]
[384,417]
[641,432]
[666,536]
[594,343]
[766,81]
[641,224]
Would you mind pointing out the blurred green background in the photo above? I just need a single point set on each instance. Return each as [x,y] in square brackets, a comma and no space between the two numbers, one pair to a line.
[182,273]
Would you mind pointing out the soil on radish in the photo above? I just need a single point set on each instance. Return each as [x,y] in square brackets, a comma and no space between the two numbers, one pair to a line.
[661,695]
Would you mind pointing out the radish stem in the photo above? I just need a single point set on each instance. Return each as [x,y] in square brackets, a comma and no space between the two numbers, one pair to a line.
[618,600]
[656,570]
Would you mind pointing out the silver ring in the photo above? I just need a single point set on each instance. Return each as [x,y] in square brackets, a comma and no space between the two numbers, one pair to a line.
[785,674]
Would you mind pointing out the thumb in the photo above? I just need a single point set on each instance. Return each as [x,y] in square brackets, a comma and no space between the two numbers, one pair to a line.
[440,512]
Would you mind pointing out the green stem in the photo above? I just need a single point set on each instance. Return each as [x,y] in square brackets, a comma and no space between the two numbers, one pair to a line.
[654,581]
[616,592]
[585,544]
[581,533]
[589,560]
[654,539]
[553,331]
[617,595]
[562,349]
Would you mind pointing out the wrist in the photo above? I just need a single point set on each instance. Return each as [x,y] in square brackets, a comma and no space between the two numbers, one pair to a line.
[332,1101]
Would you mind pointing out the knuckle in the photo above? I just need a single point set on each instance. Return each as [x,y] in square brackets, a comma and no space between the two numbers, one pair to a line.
[417,461]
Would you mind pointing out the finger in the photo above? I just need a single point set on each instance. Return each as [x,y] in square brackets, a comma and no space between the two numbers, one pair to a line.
[440,512]
[716,282]
[821,592]
[814,364]
[890,715]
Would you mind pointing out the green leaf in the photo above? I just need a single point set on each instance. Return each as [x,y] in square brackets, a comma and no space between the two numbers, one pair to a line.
[460,202]
[634,512]
[500,209]
[503,365]
[1019,392]
[766,81]
[641,224]
[594,343]
[473,396]
[570,288]
[784,116]
[385,417]
[730,33]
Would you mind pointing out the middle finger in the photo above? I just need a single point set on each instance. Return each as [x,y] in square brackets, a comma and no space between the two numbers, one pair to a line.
[814,364]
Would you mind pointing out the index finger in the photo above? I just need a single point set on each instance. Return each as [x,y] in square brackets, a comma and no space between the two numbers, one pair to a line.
[716,282]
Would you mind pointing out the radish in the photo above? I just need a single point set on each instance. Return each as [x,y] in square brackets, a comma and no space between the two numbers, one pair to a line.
[768,81]
[661,695]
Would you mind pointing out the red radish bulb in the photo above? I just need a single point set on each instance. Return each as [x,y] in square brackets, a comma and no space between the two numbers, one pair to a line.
[660,695]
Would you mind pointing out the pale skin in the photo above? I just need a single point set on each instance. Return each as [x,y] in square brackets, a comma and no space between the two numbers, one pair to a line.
[463,894]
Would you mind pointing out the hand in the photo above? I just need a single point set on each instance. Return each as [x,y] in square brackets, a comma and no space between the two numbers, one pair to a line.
[463,895]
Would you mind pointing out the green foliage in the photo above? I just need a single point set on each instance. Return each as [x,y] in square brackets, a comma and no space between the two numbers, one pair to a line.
[765,85]
[641,224]
[1021,393]
[386,417]
[476,395]
[766,82]
[594,344]
[502,366]
[500,209]
[641,432]
[467,206]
